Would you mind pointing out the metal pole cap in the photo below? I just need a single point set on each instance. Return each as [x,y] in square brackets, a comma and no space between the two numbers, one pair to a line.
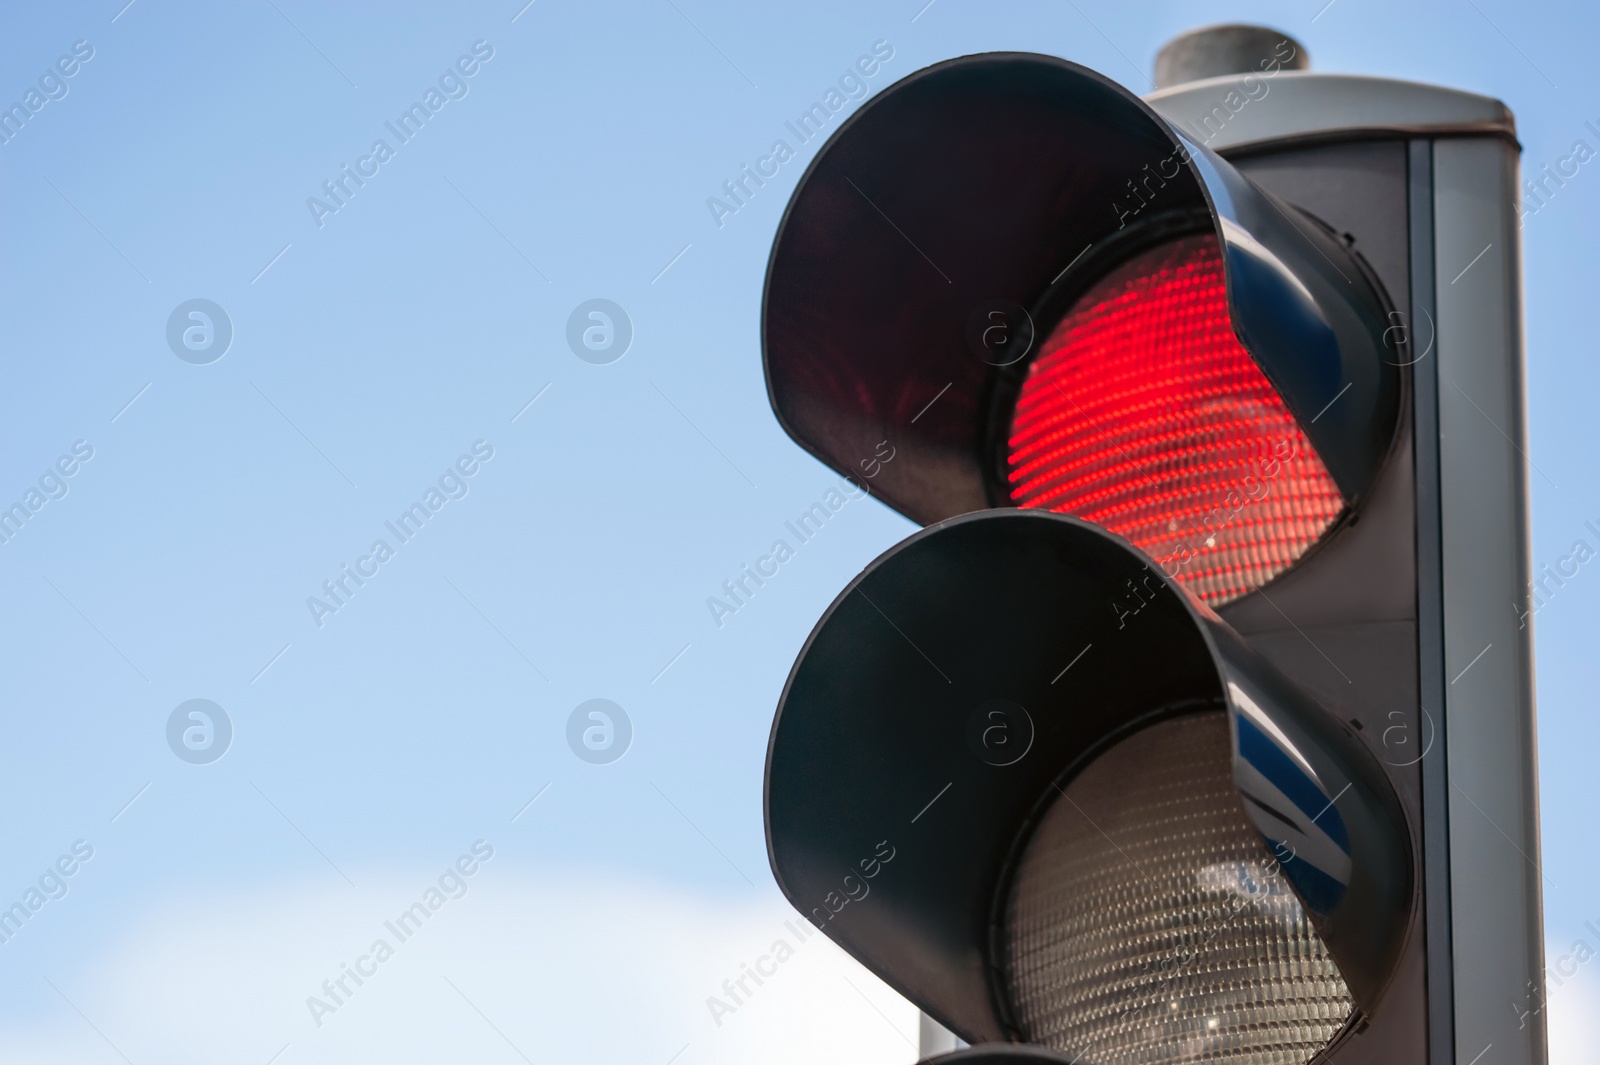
[1215,51]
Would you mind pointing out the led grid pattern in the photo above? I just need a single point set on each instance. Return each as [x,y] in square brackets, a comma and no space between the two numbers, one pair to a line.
[1144,414]
[1148,922]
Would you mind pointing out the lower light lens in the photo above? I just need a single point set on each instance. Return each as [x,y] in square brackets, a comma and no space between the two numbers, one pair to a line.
[1147,924]
[1144,414]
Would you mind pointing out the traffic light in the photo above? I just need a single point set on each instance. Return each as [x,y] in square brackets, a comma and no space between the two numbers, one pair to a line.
[1197,723]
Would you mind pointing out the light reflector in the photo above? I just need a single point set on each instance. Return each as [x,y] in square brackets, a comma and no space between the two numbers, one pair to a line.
[1144,414]
[1147,923]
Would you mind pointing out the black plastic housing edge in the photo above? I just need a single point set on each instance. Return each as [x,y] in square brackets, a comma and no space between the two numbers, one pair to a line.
[869,752]
[985,178]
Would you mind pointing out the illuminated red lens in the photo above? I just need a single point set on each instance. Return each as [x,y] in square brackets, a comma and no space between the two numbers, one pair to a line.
[1143,413]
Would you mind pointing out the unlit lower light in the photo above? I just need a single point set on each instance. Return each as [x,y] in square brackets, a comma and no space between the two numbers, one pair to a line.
[1148,923]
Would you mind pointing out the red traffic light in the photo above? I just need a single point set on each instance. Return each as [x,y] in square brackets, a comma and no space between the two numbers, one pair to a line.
[1144,414]
[983,203]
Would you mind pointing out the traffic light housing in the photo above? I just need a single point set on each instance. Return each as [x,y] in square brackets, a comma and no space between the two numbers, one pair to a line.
[1048,293]
[992,661]
[1050,180]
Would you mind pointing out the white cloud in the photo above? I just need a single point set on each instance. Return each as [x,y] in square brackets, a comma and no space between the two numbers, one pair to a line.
[1572,1018]
[568,966]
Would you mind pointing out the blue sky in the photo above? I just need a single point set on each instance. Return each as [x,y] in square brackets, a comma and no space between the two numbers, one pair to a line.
[372,348]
